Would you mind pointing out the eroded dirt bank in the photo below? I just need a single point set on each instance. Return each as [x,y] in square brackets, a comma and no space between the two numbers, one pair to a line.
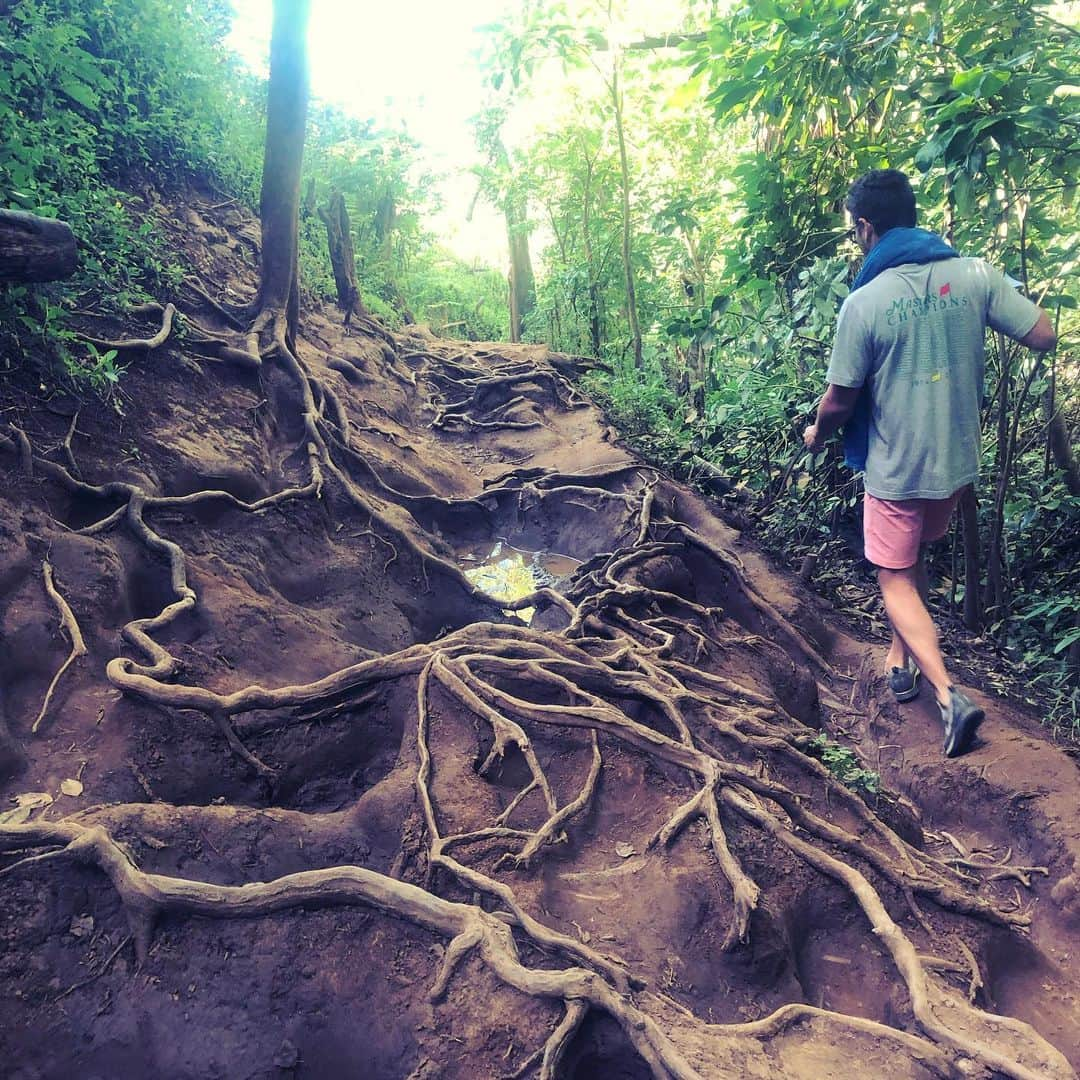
[339,813]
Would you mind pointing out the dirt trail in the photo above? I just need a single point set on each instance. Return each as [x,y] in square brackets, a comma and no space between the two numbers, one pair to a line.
[332,811]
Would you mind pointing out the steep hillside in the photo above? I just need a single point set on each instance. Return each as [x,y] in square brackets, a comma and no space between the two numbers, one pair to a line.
[309,802]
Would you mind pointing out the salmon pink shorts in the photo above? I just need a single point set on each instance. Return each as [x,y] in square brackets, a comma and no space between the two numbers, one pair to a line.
[893,531]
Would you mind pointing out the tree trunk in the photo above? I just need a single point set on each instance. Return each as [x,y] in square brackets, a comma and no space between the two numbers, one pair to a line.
[1064,458]
[994,555]
[342,256]
[696,362]
[279,203]
[1010,433]
[590,260]
[308,207]
[522,283]
[1058,446]
[969,517]
[385,223]
[628,269]
[504,193]
[35,248]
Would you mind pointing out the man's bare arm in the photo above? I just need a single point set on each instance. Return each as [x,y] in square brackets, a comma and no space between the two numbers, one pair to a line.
[836,406]
[1041,336]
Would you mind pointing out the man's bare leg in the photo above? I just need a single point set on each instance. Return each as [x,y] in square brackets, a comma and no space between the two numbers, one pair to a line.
[899,653]
[913,629]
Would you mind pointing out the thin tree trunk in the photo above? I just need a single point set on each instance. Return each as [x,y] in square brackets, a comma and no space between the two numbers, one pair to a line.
[954,566]
[695,361]
[522,284]
[969,517]
[695,259]
[628,268]
[385,223]
[590,260]
[557,342]
[307,207]
[511,301]
[1058,445]
[1049,412]
[1064,457]
[279,202]
[993,597]
[1010,435]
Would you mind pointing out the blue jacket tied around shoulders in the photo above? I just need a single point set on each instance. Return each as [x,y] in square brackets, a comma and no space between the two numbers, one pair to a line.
[896,247]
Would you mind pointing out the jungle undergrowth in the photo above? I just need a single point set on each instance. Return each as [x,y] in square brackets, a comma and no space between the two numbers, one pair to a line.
[811,517]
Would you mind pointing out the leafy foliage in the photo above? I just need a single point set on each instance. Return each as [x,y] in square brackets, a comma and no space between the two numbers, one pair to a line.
[744,140]
[845,765]
[127,94]
[404,274]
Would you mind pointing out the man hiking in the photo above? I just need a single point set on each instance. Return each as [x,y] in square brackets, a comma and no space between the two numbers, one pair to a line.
[906,377]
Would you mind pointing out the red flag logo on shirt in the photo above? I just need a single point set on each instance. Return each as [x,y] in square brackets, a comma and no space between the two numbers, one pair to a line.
[944,290]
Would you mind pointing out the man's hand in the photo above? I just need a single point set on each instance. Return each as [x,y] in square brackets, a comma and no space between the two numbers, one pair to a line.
[836,406]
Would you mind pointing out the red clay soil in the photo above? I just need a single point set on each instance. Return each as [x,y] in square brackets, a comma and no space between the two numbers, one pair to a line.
[313,806]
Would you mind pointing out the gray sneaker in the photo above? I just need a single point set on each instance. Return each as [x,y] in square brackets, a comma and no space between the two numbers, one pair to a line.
[904,682]
[961,718]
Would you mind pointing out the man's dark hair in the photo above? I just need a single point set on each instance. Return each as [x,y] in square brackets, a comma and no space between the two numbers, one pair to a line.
[884,198]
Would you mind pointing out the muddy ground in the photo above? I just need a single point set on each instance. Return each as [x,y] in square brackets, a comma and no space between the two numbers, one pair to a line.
[311,804]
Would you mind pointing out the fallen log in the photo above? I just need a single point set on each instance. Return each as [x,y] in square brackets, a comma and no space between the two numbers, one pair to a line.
[34,248]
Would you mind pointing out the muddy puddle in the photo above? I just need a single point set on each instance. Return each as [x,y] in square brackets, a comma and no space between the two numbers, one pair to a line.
[507,573]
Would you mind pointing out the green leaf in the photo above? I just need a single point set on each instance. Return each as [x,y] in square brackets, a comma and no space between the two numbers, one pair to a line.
[727,95]
[991,83]
[80,92]
[963,193]
[927,155]
[686,94]
[967,81]
[1067,640]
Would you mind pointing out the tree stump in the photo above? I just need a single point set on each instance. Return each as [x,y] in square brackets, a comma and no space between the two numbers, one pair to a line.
[342,256]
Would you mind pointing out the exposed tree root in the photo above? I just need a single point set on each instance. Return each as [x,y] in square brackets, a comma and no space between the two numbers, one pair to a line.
[68,623]
[143,344]
[146,897]
[69,454]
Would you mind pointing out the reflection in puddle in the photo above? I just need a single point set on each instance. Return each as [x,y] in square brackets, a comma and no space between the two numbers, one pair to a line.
[508,573]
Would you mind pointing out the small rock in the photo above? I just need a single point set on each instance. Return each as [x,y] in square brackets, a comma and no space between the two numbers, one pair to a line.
[71,787]
[1066,894]
[624,850]
[287,1057]
[81,925]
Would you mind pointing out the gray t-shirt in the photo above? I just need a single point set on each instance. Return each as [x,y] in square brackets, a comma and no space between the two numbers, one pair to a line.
[917,335]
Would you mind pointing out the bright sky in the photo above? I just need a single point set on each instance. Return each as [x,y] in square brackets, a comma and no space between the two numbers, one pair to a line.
[412,63]
[402,63]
